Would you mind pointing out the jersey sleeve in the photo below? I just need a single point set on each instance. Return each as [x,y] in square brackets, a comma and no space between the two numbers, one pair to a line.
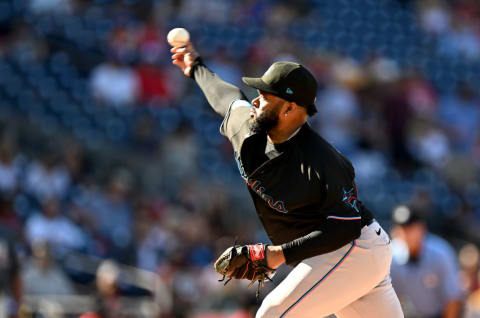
[319,242]
[236,124]
[220,94]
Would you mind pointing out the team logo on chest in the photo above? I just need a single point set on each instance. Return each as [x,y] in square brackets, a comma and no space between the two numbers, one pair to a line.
[350,198]
[278,205]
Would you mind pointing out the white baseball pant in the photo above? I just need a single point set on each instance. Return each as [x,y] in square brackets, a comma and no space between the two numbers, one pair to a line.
[351,282]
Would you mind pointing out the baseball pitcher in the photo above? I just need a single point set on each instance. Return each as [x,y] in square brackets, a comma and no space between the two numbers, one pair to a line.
[304,193]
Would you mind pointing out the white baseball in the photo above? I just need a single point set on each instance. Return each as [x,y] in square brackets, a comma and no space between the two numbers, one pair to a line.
[178,37]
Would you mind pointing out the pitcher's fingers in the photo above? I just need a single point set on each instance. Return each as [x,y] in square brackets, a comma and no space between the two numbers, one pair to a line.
[177,62]
[178,56]
[178,49]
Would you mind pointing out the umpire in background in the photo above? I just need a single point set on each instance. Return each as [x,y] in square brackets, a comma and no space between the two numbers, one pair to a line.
[304,193]
[424,269]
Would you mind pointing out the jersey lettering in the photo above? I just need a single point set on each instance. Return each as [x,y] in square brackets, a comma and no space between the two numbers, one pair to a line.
[276,205]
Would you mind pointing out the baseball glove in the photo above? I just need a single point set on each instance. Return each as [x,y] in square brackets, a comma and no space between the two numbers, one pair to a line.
[245,262]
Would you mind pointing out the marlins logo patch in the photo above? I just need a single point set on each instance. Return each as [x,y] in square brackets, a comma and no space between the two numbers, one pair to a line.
[350,198]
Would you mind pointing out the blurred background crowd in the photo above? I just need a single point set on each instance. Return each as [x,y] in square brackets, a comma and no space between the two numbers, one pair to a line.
[116,189]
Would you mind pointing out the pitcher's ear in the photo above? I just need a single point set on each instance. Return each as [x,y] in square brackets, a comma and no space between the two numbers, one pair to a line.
[288,109]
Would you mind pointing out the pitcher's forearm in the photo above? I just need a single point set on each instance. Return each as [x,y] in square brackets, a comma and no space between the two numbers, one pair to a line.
[219,93]
[275,256]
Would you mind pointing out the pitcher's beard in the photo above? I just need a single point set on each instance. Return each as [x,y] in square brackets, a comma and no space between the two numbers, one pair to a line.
[264,123]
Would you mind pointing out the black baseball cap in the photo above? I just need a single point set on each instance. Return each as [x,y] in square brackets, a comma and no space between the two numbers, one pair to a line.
[290,81]
[405,215]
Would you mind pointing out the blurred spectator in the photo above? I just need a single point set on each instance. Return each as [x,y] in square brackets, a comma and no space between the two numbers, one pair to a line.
[110,295]
[26,46]
[434,16]
[336,123]
[424,268]
[397,112]
[180,161]
[214,11]
[52,226]
[428,143]
[76,162]
[41,275]
[153,83]
[123,92]
[90,315]
[111,213]
[153,240]
[156,86]
[123,39]
[8,218]
[47,178]
[383,70]
[421,95]
[370,165]
[460,172]
[460,114]
[455,23]
[9,167]
[106,281]
[10,281]
[469,258]
[50,6]
[461,41]
[145,135]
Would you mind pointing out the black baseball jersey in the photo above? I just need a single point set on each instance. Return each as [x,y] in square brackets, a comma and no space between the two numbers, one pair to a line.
[304,194]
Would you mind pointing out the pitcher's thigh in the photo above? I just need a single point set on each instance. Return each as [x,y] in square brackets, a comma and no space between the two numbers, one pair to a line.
[322,285]
[381,302]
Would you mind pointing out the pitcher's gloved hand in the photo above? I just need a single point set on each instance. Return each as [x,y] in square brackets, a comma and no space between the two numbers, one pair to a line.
[245,262]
